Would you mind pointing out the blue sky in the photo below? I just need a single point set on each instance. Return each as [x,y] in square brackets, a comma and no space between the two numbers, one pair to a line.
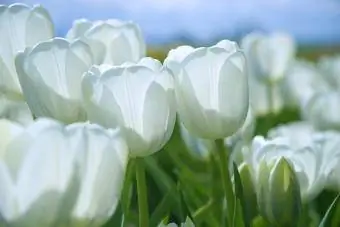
[203,21]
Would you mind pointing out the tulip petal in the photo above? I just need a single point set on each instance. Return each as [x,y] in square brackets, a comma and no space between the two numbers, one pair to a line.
[103,163]
[154,126]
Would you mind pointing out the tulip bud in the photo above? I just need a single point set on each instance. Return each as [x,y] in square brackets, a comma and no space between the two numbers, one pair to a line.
[279,193]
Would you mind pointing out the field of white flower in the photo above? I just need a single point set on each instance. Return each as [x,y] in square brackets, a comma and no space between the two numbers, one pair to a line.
[94,132]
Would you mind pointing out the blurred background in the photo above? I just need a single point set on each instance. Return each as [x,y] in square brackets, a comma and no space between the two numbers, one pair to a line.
[315,24]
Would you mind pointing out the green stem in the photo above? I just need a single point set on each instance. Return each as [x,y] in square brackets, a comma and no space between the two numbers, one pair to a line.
[223,160]
[142,194]
[127,189]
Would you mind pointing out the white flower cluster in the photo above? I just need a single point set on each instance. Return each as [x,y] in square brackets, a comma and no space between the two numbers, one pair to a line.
[73,110]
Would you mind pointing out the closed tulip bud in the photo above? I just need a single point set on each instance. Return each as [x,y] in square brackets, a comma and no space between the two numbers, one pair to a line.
[278,193]
[21,26]
[56,175]
[136,98]
[50,75]
[112,41]
[212,91]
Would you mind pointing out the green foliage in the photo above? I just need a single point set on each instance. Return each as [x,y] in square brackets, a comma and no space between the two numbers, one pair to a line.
[182,185]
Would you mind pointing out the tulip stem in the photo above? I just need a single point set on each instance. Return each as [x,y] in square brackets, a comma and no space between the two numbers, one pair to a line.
[142,194]
[223,159]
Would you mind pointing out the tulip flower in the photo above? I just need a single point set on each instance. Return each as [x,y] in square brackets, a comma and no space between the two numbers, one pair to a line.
[269,58]
[303,80]
[299,134]
[330,69]
[21,26]
[211,89]
[270,55]
[136,98]
[329,143]
[278,193]
[307,163]
[322,110]
[56,175]
[203,147]
[50,75]
[112,41]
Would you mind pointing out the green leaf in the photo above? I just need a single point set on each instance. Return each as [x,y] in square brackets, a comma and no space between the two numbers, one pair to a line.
[128,187]
[330,214]
[163,208]
[185,211]
[239,198]
[259,221]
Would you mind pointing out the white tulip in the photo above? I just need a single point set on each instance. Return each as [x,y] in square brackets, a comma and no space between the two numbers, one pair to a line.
[176,56]
[112,41]
[323,109]
[307,163]
[50,75]
[299,134]
[204,147]
[328,144]
[265,98]
[303,80]
[52,175]
[15,110]
[270,55]
[21,26]
[330,68]
[211,88]
[136,98]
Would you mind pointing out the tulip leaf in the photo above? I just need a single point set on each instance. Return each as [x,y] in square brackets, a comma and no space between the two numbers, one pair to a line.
[330,214]
[239,199]
[259,221]
[163,208]
[185,211]
[164,182]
